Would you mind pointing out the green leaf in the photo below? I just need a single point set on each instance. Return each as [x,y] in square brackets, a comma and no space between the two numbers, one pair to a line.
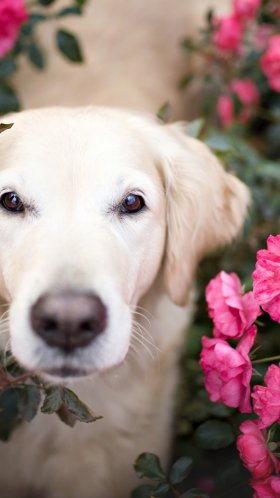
[33,19]
[36,56]
[214,435]
[269,169]
[219,143]
[219,409]
[180,469]
[81,3]
[53,400]
[194,128]
[66,417]
[28,402]
[9,416]
[69,46]
[9,101]
[185,81]
[4,127]
[79,409]
[148,465]
[164,112]
[189,44]
[161,489]
[194,493]
[210,16]
[46,2]
[144,491]
[7,67]
[69,11]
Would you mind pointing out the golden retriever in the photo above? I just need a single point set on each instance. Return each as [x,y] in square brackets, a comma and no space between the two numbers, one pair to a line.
[104,215]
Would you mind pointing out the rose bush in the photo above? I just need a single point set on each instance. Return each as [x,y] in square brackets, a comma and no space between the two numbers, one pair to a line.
[267,398]
[18,37]
[254,451]
[13,14]
[228,371]
[266,278]
[231,310]
[266,488]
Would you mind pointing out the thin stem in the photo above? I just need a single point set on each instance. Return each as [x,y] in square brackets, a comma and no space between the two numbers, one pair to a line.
[265,360]
[16,380]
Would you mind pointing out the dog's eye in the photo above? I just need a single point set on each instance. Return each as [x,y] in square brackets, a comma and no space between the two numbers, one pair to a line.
[132,204]
[12,202]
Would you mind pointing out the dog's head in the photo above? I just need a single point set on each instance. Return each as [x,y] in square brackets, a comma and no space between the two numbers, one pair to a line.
[94,203]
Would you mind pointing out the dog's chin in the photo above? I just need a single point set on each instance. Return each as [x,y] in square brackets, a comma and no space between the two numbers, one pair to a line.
[63,374]
[67,373]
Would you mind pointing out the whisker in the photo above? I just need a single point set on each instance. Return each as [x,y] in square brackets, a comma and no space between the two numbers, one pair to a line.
[146,340]
[144,346]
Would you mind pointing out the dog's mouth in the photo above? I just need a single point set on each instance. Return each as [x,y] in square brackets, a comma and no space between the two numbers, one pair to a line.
[67,371]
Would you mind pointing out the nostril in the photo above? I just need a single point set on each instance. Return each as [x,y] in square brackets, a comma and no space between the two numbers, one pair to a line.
[48,325]
[68,320]
[88,325]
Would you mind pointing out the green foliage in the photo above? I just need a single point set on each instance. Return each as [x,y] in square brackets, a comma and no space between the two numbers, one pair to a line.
[67,405]
[5,126]
[69,46]
[28,45]
[21,393]
[164,112]
[148,465]
[180,470]
[213,435]
[36,56]
[9,101]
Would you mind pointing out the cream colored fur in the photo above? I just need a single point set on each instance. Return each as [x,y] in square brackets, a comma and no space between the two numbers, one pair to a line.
[73,166]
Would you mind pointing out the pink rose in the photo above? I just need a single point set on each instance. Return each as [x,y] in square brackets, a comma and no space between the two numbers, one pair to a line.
[262,36]
[270,63]
[246,9]
[266,278]
[228,34]
[266,488]
[228,371]
[247,91]
[267,399]
[225,110]
[254,453]
[12,15]
[232,311]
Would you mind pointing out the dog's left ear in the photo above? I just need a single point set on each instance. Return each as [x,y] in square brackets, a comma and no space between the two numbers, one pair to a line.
[206,207]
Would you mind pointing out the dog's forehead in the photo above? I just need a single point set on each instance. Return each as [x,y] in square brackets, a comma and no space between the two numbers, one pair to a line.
[67,140]
[92,155]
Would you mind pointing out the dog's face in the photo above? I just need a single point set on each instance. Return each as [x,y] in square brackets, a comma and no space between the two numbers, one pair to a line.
[94,203]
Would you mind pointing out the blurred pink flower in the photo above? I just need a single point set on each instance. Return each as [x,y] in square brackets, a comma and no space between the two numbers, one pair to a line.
[262,36]
[266,278]
[232,311]
[246,9]
[228,371]
[12,15]
[266,488]
[228,34]
[267,399]
[248,95]
[270,63]
[246,90]
[225,110]
[254,452]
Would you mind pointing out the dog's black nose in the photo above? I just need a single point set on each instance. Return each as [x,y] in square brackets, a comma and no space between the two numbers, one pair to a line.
[68,320]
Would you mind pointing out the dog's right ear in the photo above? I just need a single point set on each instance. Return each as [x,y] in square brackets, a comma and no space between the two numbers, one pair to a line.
[206,207]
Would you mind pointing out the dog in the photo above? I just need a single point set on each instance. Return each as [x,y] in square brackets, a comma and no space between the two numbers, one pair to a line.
[104,215]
